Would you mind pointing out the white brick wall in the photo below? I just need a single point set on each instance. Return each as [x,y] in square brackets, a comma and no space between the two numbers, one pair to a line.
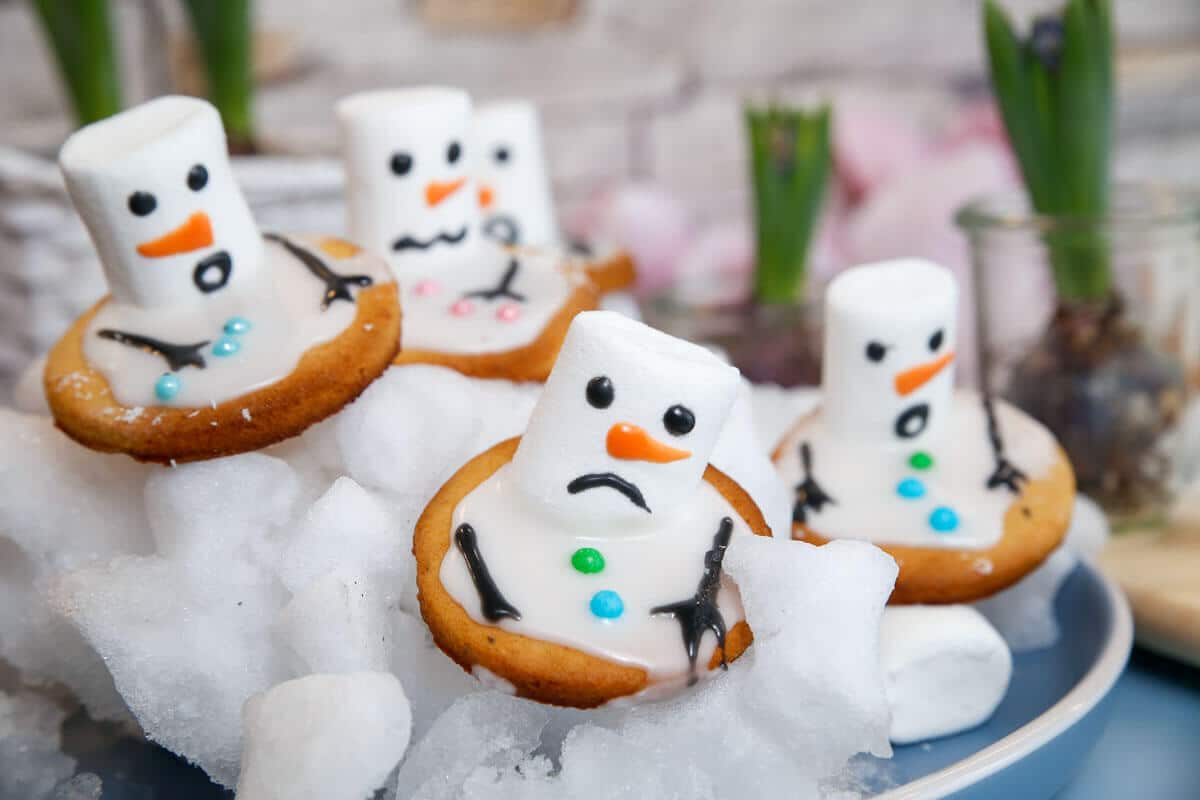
[640,88]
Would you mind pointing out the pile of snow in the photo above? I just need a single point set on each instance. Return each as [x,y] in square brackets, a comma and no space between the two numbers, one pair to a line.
[250,610]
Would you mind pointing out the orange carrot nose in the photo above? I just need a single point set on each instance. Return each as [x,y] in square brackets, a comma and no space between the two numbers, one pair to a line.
[193,234]
[910,380]
[631,443]
[437,191]
[486,197]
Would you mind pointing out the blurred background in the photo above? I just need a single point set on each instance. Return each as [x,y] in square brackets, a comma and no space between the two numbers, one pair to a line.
[628,89]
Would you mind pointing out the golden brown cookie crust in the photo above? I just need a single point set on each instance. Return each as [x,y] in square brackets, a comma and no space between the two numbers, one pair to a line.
[529,363]
[327,377]
[542,671]
[613,274]
[1034,526]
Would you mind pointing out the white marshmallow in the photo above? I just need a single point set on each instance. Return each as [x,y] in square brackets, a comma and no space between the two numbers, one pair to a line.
[161,170]
[514,188]
[650,373]
[884,379]
[945,669]
[410,193]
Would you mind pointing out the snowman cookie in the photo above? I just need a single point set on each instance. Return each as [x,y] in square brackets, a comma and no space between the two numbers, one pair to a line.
[582,562]
[470,303]
[514,193]
[215,339]
[967,493]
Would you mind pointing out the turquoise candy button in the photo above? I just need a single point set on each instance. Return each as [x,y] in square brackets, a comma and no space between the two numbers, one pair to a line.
[943,520]
[910,489]
[236,326]
[167,386]
[607,604]
[226,346]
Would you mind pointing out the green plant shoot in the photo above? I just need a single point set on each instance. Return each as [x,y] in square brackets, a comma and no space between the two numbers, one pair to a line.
[223,36]
[80,35]
[790,162]
[1055,92]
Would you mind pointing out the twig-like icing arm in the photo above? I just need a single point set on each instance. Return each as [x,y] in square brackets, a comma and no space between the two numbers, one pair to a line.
[504,288]
[177,356]
[809,494]
[336,286]
[699,613]
[1005,474]
[495,606]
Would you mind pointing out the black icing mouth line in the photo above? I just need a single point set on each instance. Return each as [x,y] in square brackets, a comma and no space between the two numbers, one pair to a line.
[610,480]
[411,243]
[503,229]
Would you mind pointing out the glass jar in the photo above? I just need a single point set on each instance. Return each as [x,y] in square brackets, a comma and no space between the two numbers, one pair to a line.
[776,343]
[1092,326]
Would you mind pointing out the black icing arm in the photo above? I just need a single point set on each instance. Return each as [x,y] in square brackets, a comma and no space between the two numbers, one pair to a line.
[1005,473]
[495,606]
[177,356]
[699,613]
[504,288]
[335,284]
[809,494]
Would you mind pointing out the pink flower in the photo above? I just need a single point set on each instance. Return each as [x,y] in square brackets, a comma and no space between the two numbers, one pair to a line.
[643,218]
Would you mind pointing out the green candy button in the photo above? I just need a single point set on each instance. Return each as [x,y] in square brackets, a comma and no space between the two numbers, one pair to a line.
[920,460]
[587,560]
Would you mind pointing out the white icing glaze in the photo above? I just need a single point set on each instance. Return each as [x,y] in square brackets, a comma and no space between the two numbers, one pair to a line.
[438,316]
[170,155]
[862,478]
[511,171]
[528,554]
[284,309]
[650,373]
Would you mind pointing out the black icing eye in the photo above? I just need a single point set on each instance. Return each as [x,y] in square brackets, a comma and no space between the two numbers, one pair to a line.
[679,420]
[401,163]
[935,341]
[876,351]
[501,155]
[600,392]
[197,178]
[142,203]
[453,152]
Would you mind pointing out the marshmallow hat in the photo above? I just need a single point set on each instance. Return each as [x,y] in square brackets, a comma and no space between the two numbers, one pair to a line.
[625,426]
[409,188]
[155,190]
[889,351]
[514,189]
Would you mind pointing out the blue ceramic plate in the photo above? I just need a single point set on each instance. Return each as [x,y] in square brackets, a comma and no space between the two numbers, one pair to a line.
[1054,711]
[1053,714]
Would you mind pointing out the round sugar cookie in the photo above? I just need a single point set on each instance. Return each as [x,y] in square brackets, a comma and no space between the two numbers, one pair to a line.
[982,555]
[534,668]
[259,392]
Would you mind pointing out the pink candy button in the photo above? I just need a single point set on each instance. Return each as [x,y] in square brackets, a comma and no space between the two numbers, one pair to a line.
[462,308]
[508,312]
[428,287]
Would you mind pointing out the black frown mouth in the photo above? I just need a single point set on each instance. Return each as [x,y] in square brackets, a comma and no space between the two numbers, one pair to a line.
[609,480]
[413,243]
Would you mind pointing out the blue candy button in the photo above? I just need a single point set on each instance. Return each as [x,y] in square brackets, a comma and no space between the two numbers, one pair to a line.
[910,489]
[226,346]
[167,386]
[236,326]
[943,520]
[607,604]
